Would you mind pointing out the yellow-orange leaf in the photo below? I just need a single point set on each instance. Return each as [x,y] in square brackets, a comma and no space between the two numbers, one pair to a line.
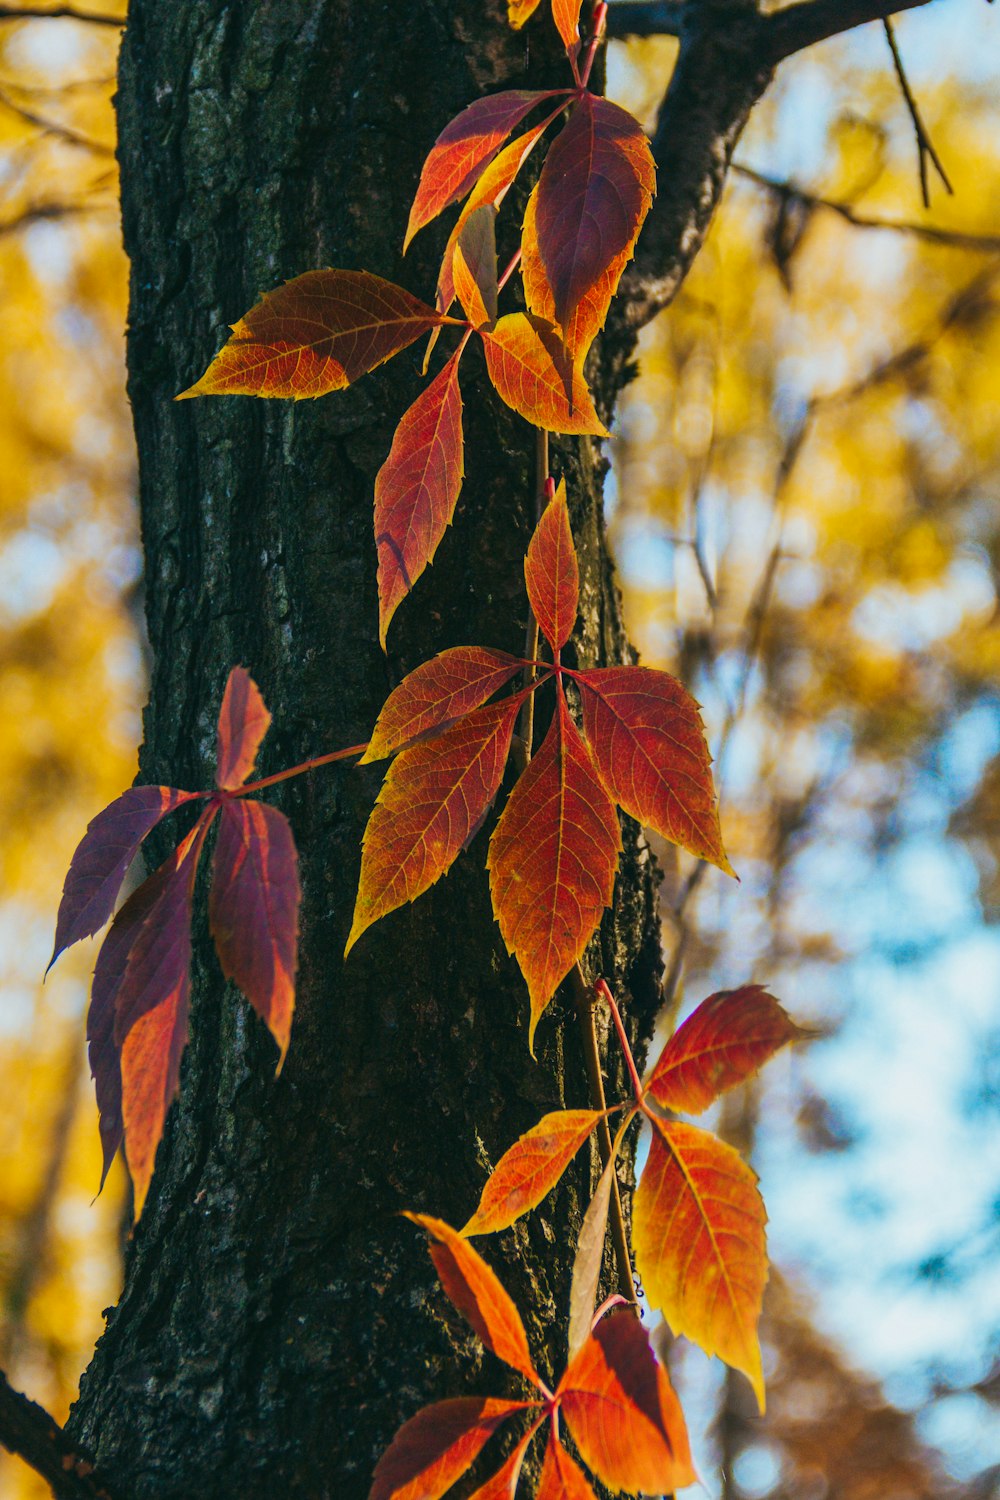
[475,267]
[566,14]
[433,800]
[519,11]
[433,1449]
[417,488]
[531,1168]
[533,373]
[649,744]
[503,1484]
[437,692]
[623,1413]
[590,313]
[721,1044]
[562,1478]
[315,334]
[552,860]
[551,572]
[478,1295]
[698,1237]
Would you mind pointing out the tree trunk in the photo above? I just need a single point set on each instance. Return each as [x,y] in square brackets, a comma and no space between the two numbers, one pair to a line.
[279,1320]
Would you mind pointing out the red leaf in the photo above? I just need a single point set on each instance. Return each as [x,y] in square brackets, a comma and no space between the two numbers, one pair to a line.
[594,191]
[103,1051]
[552,860]
[697,1193]
[102,857]
[491,189]
[433,1449]
[478,1295]
[243,723]
[562,1478]
[437,693]
[315,334]
[432,803]
[566,14]
[721,1044]
[475,267]
[551,572]
[463,150]
[649,745]
[532,372]
[254,910]
[416,489]
[503,1484]
[151,1010]
[590,313]
[622,1411]
[531,1168]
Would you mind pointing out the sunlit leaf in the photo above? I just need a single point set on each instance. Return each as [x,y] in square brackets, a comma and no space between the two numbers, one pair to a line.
[595,189]
[649,744]
[552,860]
[531,1168]
[519,11]
[562,1478]
[475,267]
[433,1449]
[437,692]
[696,1192]
[243,722]
[532,372]
[503,1484]
[721,1044]
[590,1252]
[566,14]
[254,910]
[102,857]
[590,313]
[478,1295]
[433,801]
[551,572]
[464,149]
[315,334]
[416,489]
[623,1413]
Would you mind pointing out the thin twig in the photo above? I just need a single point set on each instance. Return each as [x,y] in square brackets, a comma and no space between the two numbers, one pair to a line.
[583,997]
[27,1430]
[57,13]
[925,146]
[55,128]
[39,212]
[645,18]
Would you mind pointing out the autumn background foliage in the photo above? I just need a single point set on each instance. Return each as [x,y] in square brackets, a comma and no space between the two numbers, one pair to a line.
[804,509]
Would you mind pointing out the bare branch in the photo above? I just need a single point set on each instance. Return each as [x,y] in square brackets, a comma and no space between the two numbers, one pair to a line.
[54,127]
[645,18]
[27,1430]
[953,239]
[57,13]
[811,21]
[36,213]
[925,146]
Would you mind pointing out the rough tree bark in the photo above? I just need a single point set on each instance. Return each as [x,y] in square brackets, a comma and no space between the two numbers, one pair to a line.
[278,1319]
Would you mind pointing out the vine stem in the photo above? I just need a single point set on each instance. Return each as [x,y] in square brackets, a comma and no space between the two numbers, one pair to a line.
[601,988]
[300,769]
[584,998]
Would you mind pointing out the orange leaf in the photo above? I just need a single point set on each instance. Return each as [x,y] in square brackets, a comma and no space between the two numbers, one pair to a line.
[532,372]
[562,1478]
[416,489]
[503,1484]
[254,910]
[551,572]
[465,148]
[433,1449]
[593,194]
[552,860]
[566,14]
[243,722]
[519,11]
[590,313]
[437,693]
[622,1411]
[721,1044]
[478,1295]
[315,334]
[432,803]
[649,745]
[491,188]
[698,1236]
[475,267]
[531,1168]
[590,1249]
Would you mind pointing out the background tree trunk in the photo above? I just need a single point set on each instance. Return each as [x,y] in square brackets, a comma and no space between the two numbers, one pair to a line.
[279,1321]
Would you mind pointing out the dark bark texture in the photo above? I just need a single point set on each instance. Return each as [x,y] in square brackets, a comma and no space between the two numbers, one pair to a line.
[279,1320]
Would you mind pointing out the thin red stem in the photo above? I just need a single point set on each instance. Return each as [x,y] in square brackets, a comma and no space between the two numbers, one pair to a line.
[600,22]
[633,1072]
[306,765]
[511,268]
